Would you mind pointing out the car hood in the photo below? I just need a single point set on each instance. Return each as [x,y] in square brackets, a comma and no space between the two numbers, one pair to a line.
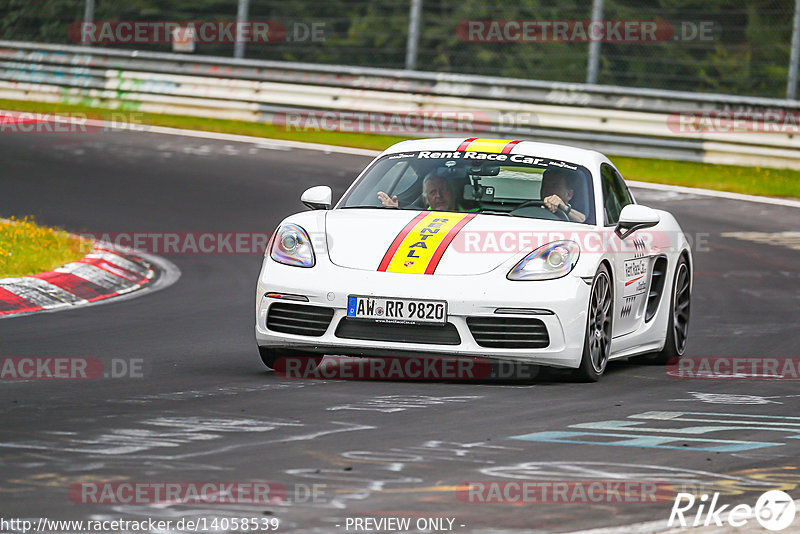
[362,239]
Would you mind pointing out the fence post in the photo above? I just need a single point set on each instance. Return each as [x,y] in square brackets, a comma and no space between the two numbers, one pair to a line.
[88,18]
[594,44]
[413,34]
[241,20]
[794,56]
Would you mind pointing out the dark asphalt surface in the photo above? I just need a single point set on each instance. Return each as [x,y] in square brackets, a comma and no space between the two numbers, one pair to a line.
[206,410]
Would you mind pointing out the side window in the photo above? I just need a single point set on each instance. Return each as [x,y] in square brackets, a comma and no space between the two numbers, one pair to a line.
[615,193]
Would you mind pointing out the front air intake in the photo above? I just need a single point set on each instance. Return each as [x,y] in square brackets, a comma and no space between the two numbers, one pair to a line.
[509,332]
[398,333]
[298,319]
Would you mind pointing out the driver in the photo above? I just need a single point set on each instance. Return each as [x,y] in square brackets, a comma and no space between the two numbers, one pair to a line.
[558,188]
[437,192]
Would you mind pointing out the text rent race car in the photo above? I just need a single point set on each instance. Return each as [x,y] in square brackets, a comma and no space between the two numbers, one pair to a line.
[509,250]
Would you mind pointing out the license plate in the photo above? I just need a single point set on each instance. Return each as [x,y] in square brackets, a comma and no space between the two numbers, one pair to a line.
[394,310]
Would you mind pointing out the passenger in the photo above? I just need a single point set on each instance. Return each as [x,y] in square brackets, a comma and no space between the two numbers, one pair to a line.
[437,193]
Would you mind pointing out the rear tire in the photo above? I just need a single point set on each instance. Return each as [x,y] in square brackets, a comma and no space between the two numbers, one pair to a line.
[680,305]
[599,322]
[272,356]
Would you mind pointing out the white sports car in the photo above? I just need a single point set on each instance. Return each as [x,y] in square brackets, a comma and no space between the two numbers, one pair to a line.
[506,250]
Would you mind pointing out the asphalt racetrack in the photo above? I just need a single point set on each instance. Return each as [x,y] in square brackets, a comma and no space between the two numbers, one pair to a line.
[205,409]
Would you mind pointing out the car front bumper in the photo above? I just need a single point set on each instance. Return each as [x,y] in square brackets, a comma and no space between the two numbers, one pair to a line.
[563,304]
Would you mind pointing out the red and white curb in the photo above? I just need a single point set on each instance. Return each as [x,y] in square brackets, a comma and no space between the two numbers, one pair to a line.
[107,272]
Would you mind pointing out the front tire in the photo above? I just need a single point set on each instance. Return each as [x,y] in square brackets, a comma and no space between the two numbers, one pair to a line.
[597,337]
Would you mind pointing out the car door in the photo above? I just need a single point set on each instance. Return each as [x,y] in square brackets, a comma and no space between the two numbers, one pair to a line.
[632,263]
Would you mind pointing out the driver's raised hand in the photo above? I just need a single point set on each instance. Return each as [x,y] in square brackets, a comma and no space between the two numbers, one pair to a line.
[553,203]
[387,201]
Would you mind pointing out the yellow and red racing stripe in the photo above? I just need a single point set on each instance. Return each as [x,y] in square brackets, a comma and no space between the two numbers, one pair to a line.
[494,146]
[419,246]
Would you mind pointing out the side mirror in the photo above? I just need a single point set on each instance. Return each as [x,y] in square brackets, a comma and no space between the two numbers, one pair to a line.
[317,198]
[635,217]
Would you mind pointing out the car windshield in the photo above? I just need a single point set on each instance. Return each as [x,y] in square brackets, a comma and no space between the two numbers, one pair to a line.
[503,184]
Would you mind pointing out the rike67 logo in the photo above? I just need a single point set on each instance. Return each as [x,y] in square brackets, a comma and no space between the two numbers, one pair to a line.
[774,510]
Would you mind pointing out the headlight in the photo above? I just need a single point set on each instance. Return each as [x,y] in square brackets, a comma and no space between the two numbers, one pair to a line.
[549,261]
[292,246]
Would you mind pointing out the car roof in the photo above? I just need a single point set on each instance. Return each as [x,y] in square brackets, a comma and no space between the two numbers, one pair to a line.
[587,158]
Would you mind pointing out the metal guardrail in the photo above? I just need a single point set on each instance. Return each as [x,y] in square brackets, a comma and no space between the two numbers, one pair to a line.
[621,121]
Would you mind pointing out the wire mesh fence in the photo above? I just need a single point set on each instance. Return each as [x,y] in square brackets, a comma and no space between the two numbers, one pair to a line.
[692,45]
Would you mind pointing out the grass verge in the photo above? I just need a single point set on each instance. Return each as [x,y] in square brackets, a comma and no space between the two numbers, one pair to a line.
[749,180]
[27,248]
[738,179]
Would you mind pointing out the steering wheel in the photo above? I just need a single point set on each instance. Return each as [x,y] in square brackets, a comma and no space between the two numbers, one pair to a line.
[559,212]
